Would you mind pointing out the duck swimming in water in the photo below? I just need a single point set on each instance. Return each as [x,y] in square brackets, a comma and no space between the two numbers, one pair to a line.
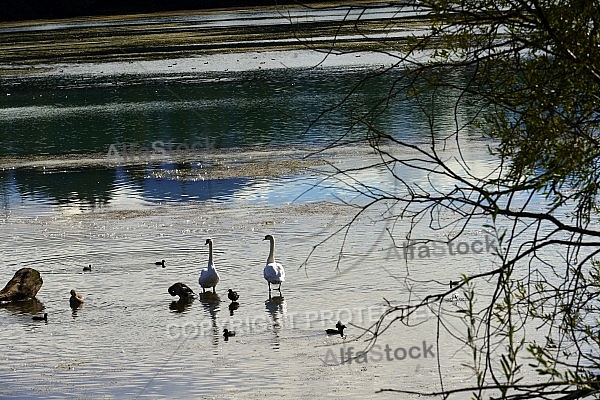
[233,296]
[182,290]
[340,329]
[88,268]
[227,334]
[162,263]
[76,299]
[38,318]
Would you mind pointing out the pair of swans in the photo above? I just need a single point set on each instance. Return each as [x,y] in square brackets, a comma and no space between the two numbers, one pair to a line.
[273,271]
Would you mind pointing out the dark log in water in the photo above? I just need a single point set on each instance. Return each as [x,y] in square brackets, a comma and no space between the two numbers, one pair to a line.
[23,286]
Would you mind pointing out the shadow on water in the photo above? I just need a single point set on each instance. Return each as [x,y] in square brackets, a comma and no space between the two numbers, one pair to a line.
[211,304]
[234,305]
[181,305]
[75,311]
[31,306]
[276,308]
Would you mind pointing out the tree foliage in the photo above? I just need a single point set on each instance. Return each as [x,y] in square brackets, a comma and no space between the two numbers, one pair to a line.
[531,78]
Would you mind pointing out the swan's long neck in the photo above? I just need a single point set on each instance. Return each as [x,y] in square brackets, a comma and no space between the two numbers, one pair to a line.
[271,258]
[210,254]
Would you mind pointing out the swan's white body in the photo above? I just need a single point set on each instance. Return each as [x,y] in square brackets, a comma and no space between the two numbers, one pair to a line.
[273,272]
[209,277]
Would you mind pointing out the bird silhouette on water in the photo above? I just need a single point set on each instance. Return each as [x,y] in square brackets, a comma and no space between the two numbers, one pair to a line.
[338,331]
[227,334]
[182,290]
[38,318]
[233,296]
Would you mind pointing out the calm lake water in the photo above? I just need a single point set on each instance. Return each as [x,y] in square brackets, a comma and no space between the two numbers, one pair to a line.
[216,154]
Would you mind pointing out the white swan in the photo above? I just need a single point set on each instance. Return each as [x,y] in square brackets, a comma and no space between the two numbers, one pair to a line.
[273,271]
[209,277]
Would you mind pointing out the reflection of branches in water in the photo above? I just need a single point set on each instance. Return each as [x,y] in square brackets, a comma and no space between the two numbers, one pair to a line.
[169,359]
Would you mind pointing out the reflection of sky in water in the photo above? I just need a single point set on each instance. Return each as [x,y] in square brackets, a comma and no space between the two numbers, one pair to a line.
[37,191]
[127,192]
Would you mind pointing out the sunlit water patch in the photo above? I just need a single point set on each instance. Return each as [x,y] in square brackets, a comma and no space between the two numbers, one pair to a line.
[130,338]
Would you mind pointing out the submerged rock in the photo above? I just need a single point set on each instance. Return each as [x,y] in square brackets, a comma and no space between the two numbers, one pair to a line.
[24,285]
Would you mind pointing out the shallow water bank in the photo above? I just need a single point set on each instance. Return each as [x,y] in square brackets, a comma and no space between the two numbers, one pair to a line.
[33,47]
[131,335]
